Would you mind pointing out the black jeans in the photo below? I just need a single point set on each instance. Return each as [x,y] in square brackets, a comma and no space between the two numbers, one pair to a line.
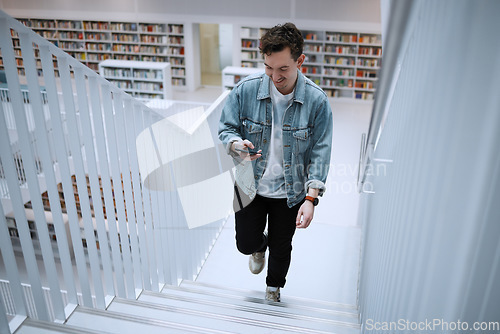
[250,226]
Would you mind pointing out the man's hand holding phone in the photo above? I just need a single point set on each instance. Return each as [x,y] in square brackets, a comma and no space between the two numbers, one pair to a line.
[246,150]
[249,151]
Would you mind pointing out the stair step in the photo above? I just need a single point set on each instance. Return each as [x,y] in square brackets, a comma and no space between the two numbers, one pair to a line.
[255,305]
[208,317]
[258,296]
[265,312]
[32,326]
[120,323]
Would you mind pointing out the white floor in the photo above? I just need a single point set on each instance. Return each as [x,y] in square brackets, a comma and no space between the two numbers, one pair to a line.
[325,258]
[204,94]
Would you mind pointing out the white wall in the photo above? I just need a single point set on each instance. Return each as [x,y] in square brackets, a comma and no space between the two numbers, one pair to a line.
[226,45]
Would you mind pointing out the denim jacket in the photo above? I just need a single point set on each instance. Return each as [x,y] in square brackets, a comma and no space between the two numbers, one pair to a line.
[307,131]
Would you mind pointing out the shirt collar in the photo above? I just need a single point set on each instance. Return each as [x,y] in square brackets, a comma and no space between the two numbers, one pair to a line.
[300,88]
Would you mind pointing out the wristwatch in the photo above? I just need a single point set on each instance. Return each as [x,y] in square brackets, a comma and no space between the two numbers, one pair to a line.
[314,201]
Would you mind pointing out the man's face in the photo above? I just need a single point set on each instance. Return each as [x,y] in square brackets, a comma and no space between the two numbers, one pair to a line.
[282,69]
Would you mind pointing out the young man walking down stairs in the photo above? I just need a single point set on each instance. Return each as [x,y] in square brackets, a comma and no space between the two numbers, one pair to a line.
[278,128]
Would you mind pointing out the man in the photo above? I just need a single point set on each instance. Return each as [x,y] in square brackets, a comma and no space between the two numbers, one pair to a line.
[286,120]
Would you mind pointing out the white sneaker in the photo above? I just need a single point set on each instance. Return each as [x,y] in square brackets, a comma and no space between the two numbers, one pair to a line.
[273,294]
[257,262]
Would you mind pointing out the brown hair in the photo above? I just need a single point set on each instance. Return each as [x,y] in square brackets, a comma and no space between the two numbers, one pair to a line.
[281,36]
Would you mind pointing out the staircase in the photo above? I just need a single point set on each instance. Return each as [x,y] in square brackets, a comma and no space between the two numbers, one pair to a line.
[202,308]
[146,244]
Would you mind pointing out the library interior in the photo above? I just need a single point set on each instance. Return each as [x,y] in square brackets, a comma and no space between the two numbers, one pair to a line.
[124,180]
[181,58]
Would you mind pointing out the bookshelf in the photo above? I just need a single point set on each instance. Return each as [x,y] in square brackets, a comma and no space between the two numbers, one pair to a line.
[142,79]
[343,64]
[30,216]
[14,234]
[92,42]
[231,75]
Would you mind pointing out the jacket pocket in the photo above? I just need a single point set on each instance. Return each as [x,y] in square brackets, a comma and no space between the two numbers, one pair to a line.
[302,140]
[253,132]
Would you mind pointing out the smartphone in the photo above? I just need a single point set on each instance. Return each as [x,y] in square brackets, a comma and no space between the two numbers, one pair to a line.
[249,151]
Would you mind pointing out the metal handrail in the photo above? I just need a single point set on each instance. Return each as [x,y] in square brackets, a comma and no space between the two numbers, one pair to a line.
[401,24]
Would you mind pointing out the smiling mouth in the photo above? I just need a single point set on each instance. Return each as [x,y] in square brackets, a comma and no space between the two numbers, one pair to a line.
[280,80]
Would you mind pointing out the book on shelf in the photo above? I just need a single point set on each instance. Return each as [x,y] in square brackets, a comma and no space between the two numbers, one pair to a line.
[369,39]
[343,38]
[310,37]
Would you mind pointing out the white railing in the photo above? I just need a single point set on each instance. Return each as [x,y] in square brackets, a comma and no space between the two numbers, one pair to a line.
[430,216]
[11,126]
[74,135]
[10,307]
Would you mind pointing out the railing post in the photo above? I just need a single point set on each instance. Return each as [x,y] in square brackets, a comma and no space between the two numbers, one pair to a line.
[144,246]
[100,137]
[151,234]
[62,155]
[10,263]
[51,182]
[29,166]
[116,176]
[164,276]
[81,180]
[95,188]
[4,323]
[127,188]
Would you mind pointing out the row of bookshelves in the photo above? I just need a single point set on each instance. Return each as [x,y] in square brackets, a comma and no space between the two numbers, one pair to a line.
[97,57]
[92,61]
[178,72]
[250,33]
[138,86]
[353,44]
[332,60]
[108,37]
[113,37]
[249,46]
[338,72]
[103,25]
[345,83]
[341,37]
[128,73]
[343,64]
[352,51]
[324,61]
[326,83]
[139,78]
[177,76]
[94,41]
[341,93]
[120,49]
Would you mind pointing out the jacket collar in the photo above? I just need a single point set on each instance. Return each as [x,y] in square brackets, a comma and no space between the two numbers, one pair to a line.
[300,88]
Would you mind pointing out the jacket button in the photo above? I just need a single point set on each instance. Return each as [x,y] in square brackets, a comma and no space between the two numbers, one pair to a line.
[255,176]
[265,140]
